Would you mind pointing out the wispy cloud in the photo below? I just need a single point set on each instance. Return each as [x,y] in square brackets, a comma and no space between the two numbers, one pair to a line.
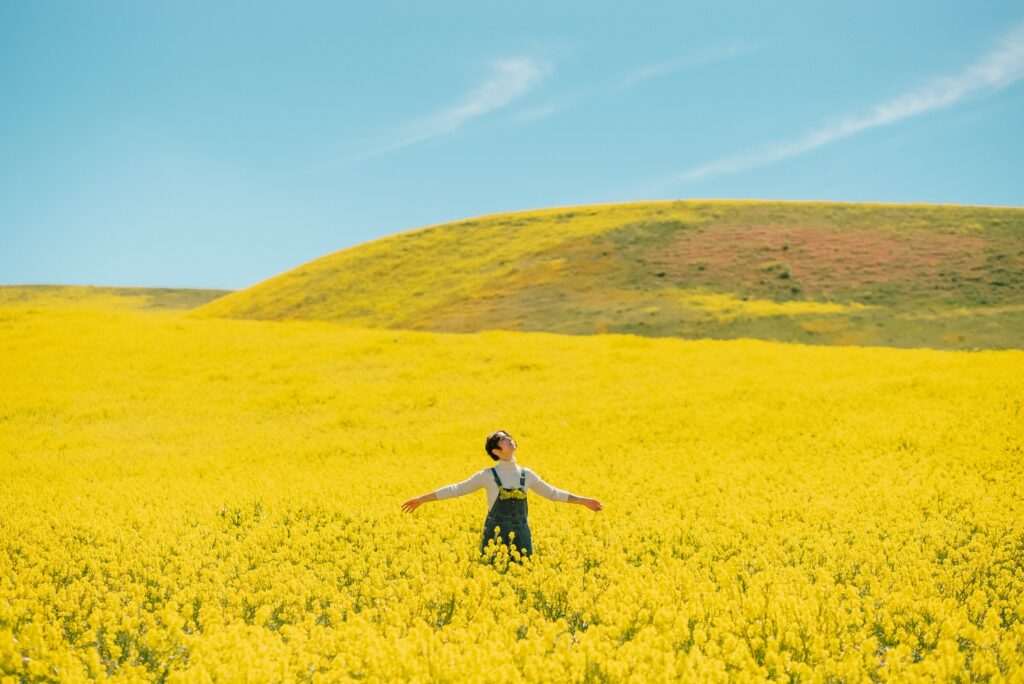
[509,80]
[560,104]
[721,53]
[1001,67]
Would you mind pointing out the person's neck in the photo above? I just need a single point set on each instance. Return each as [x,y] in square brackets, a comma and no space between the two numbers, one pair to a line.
[511,460]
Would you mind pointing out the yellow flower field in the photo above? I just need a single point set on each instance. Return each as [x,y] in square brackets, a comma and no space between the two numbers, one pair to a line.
[192,499]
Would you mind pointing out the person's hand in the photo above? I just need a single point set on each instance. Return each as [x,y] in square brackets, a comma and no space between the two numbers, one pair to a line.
[592,504]
[411,505]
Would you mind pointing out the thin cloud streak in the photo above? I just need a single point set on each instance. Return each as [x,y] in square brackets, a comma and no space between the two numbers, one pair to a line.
[509,81]
[999,69]
[550,109]
[719,54]
[731,50]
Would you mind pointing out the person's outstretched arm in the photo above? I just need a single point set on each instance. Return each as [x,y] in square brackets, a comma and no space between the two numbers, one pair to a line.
[474,483]
[548,492]
[412,504]
[592,504]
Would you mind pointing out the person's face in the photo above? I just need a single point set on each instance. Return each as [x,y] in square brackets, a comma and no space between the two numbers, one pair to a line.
[506,447]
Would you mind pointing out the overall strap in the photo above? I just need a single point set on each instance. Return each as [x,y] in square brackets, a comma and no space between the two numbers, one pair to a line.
[522,479]
[494,472]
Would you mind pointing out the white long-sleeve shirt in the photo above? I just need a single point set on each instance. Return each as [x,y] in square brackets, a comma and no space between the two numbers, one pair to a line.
[509,472]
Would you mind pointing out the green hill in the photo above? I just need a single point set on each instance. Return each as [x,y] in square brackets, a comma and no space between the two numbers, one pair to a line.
[947,277]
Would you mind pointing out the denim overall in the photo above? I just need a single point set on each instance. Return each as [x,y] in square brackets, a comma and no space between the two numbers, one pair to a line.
[509,513]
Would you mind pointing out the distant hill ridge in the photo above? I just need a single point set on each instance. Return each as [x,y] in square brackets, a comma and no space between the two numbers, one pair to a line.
[105,298]
[947,277]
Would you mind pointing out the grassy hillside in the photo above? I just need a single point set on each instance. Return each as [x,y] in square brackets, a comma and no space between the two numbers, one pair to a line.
[821,273]
[75,296]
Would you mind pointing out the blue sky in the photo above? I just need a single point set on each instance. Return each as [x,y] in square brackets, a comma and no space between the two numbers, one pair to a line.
[197,144]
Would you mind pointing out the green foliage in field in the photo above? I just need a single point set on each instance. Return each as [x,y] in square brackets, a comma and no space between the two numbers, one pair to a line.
[820,273]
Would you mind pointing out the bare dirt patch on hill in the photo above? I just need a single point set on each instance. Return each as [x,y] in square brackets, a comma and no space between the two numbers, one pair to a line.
[817,260]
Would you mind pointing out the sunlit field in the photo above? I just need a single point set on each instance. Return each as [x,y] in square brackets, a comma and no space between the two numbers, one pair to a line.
[189,499]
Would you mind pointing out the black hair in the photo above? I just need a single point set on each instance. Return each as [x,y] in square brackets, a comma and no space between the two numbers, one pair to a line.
[492,442]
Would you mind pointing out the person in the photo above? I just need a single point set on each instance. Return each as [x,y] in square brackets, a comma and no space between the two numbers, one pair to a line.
[507,521]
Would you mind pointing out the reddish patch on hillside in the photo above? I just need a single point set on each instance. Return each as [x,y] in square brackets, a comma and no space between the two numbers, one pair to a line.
[818,257]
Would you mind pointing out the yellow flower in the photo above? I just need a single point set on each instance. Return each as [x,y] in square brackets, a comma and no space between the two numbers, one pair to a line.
[219,500]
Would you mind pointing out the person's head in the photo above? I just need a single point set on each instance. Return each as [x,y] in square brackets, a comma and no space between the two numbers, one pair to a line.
[500,446]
